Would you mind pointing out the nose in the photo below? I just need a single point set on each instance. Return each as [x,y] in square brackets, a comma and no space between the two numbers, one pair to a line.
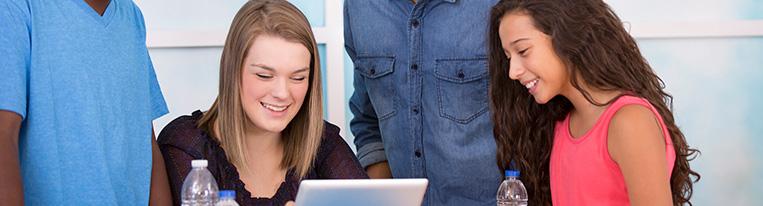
[280,89]
[515,68]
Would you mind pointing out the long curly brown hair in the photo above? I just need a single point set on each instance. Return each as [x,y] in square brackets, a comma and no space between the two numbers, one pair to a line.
[593,45]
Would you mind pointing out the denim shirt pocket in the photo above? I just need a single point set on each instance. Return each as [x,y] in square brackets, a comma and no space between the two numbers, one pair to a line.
[462,87]
[379,82]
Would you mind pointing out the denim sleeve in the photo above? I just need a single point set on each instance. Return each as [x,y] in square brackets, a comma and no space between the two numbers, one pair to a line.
[364,125]
[15,58]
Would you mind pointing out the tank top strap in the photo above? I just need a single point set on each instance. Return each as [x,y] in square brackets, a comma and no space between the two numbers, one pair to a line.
[621,102]
[626,100]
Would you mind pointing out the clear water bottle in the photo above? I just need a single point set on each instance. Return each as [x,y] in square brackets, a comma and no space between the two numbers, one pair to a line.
[512,192]
[199,187]
[227,198]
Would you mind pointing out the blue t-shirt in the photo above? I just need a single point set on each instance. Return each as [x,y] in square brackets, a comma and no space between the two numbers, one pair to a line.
[87,91]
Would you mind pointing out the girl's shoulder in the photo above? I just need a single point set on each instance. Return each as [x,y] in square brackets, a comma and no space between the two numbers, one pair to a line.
[630,118]
[330,133]
[183,133]
[330,140]
[627,107]
[335,158]
[633,122]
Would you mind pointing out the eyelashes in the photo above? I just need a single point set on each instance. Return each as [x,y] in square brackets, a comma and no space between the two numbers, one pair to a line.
[522,52]
[264,76]
[299,78]
[268,77]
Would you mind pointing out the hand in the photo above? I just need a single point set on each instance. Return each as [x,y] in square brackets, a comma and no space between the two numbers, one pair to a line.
[379,171]
[289,203]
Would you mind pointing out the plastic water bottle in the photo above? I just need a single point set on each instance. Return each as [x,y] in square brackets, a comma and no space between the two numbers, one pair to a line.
[512,192]
[199,187]
[227,198]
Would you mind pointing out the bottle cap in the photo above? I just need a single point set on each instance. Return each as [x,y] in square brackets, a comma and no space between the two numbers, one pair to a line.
[512,173]
[227,193]
[199,163]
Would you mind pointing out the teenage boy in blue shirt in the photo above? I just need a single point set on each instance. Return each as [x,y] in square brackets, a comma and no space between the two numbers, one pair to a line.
[77,100]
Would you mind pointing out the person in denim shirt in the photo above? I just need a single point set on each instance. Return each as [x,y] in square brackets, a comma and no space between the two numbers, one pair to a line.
[420,103]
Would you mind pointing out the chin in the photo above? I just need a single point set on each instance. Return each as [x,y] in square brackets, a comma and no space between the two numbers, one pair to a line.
[276,128]
[269,125]
[280,125]
[541,100]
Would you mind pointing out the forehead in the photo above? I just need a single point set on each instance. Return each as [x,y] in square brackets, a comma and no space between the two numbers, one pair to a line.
[516,25]
[278,53]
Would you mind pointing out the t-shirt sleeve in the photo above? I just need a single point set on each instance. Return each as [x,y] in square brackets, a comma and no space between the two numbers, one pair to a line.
[15,55]
[158,105]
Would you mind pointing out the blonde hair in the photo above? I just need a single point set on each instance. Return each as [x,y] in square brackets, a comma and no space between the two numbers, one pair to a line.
[226,119]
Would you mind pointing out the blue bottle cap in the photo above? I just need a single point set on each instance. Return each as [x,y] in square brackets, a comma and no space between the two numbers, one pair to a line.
[227,193]
[512,173]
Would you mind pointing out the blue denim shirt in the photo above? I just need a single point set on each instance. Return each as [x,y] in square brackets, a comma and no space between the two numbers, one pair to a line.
[421,94]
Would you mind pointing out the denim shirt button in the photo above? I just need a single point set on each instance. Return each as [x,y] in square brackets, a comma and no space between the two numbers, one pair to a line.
[414,67]
[460,74]
[415,23]
[417,153]
[372,71]
[415,111]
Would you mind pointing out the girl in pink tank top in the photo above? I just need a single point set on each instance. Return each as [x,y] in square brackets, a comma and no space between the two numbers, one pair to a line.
[579,111]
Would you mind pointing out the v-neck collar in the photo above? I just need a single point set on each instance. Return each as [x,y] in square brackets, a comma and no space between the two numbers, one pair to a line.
[107,14]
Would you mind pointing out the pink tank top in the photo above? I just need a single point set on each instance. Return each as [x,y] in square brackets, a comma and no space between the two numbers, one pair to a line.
[581,170]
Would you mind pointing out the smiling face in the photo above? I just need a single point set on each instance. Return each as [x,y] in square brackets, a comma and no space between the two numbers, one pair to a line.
[532,60]
[274,82]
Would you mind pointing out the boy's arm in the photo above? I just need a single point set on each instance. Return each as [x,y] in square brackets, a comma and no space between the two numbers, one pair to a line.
[160,186]
[11,187]
[364,124]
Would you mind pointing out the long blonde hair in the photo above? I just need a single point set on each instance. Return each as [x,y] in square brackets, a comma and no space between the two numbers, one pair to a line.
[226,119]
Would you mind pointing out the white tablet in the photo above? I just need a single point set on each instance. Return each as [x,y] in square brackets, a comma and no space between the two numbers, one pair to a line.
[381,192]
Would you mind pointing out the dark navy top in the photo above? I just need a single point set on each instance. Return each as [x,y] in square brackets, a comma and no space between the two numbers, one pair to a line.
[182,141]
